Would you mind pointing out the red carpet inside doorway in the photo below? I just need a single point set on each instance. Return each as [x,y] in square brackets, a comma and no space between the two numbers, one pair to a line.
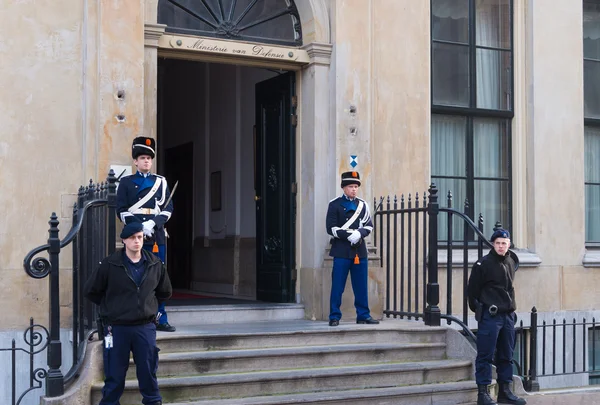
[186,296]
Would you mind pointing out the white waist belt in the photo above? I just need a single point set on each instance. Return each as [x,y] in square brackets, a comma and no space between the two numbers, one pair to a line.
[146,211]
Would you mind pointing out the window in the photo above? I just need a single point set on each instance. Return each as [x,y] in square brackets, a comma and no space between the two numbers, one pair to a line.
[472,89]
[267,21]
[591,79]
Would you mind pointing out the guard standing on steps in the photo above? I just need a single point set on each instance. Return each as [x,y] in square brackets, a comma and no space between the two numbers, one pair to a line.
[145,198]
[349,222]
[492,298]
[128,285]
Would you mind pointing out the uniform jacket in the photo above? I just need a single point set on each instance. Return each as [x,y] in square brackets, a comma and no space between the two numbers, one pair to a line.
[121,301]
[340,210]
[491,282]
[132,189]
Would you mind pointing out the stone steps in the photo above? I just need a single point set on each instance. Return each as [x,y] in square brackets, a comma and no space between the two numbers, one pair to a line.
[300,361]
[190,315]
[453,393]
[283,334]
[220,386]
[245,360]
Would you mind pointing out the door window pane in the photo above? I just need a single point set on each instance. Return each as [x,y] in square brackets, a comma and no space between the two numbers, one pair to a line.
[493,79]
[492,201]
[450,74]
[491,152]
[591,80]
[493,22]
[450,20]
[448,146]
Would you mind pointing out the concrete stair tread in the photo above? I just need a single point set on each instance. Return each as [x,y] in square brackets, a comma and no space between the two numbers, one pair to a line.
[295,326]
[290,350]
[366,394]
[312,373]
[286,328]
[227,314]
[258,306]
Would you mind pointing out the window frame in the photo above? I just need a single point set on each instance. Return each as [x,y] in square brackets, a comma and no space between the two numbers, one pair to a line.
[593,123]
[473,112]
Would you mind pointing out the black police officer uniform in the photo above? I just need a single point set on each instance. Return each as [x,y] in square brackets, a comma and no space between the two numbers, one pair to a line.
[492,298]
[133,189]
[128,294]
[341,221]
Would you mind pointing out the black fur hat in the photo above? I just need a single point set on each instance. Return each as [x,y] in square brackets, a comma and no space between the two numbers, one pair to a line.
[143,146]
[350,178]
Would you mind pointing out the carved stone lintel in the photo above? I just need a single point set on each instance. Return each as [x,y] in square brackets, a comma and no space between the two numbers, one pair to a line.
[320,54]
[152,33]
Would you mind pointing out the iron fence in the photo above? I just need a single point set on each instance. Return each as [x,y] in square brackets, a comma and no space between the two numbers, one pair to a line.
[559,347]
[92,237]
[35,342]
[406,234]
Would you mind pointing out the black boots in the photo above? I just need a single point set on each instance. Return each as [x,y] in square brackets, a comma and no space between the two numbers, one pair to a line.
[506,396]
[483,396]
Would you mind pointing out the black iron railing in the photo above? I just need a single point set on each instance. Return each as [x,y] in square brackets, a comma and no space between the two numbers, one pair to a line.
[406,234]
[36,343]
[557,348]
[92,237]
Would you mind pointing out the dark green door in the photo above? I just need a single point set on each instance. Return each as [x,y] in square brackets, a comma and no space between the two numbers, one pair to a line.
[275,188]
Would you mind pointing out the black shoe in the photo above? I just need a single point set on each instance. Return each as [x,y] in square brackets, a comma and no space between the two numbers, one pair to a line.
[506,396]
[334,322]
[165,327]
[368,321]
[483,396]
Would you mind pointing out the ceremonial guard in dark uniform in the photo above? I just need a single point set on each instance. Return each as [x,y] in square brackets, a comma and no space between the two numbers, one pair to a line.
[144,197]
[492,298]
[349,222]
[128,285]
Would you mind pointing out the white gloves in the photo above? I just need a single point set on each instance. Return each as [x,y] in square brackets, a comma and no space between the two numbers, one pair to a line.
[354,237]
[148,227]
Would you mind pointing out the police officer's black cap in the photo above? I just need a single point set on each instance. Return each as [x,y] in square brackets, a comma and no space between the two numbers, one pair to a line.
[143,146]
[131,229]
[500,233]
[350,178]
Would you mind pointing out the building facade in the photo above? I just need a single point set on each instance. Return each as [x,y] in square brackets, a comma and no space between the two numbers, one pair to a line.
[257,107]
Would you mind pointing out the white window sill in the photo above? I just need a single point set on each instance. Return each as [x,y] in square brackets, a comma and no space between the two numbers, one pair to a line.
[591,258]
[526,258]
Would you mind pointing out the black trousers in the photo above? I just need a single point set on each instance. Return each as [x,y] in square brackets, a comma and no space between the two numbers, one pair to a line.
[141,341]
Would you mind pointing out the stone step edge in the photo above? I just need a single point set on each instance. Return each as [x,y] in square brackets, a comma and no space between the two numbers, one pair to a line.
[364,394]
[266,376]
[233,307]
[301,332]
[291,350]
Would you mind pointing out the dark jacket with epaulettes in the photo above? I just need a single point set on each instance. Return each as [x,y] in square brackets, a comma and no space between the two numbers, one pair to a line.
[340,210]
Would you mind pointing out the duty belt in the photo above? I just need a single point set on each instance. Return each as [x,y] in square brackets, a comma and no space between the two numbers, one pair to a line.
[146,211]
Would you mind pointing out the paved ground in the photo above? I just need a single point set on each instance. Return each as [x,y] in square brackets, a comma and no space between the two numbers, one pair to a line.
[591,397]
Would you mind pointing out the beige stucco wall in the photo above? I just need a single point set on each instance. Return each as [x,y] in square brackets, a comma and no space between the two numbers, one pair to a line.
[40,142]
[555,138]
[63,62]
[381,64]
